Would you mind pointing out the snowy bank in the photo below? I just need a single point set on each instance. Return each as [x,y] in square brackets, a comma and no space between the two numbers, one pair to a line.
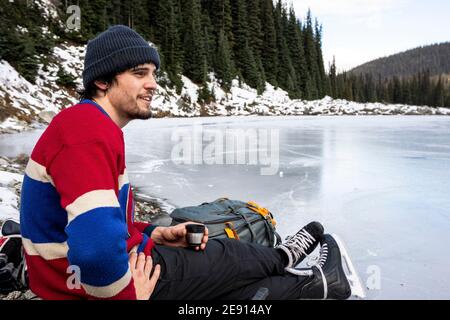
[24,104]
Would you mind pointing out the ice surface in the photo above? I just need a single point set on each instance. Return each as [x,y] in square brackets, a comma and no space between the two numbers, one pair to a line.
[381,183]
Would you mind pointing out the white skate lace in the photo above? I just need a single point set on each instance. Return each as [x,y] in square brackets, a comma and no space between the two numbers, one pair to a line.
[300,242]
[323,254]
[320,264]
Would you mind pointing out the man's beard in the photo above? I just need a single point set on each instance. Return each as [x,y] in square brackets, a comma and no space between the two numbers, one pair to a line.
[135,112]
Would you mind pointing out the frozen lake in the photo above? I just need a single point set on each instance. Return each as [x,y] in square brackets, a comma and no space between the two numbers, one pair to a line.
[381,183]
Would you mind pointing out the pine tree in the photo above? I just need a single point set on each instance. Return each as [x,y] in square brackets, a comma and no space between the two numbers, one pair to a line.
[269,54]
[220,11]
[224,65]
[333,79]
[256,37]
[170,43]
[369,89]
[414,85]
[397,91]
[208,37]
[438,94]
[424,87]
[195,63]
[310,48]
[286,76]
[255,34]
[296,50]
[245,61]
[323,89]
[406,91]
[447,99]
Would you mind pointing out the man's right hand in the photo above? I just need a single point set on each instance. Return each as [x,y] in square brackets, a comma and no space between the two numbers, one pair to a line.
[141,270]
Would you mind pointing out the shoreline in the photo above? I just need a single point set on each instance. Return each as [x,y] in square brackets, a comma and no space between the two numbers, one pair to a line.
[429,111]
[147,208]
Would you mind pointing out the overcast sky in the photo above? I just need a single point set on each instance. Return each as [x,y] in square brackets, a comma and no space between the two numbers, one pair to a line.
[358,31]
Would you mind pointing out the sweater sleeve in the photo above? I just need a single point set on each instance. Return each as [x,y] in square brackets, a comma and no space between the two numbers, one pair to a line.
[145,227]
[85,176]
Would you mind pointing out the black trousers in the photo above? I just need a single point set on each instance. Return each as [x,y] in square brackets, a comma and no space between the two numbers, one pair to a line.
[227,269]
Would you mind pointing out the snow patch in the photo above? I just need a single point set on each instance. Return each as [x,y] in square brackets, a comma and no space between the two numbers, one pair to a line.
[9,201]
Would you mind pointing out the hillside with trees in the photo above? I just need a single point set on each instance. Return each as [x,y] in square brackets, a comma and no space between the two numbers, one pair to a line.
[416,77]
[434,58]
[254,40]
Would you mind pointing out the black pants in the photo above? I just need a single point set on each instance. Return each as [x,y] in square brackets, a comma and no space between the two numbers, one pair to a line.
[227,269]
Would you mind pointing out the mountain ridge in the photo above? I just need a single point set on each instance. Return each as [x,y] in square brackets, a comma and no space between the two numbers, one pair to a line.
[434,58]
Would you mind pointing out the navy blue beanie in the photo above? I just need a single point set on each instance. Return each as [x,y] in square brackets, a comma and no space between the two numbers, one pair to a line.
[116,49]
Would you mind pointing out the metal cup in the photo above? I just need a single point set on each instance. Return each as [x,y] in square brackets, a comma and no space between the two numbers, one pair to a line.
[195,234]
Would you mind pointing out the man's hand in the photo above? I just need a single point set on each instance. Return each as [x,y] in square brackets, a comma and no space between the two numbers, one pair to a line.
[141,269]
[175,236]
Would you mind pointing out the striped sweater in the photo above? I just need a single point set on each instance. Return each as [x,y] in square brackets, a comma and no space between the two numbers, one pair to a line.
[77,209]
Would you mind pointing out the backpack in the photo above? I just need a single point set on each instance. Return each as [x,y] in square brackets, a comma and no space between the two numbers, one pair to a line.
[235,219]
[13,269]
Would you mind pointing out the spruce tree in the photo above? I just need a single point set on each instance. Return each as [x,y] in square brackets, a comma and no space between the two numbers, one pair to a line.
[296,50]
[223,63]
[312,90]
[195,63]
[245,61]
[169,41]
[269,54]
[323,89]
[208,37]
[438,98]
[222,19]
[286,76]
[256,38]
[333,79]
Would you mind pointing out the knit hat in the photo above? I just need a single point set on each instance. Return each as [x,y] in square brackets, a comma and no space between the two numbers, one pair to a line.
[116,49]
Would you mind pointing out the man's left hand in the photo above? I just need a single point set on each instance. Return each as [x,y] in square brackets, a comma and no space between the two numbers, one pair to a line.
[175,236]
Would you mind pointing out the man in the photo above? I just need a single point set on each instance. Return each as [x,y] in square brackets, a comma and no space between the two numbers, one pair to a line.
[79,234]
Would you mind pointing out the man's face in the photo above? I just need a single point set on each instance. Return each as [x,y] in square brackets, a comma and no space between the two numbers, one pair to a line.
[131,94]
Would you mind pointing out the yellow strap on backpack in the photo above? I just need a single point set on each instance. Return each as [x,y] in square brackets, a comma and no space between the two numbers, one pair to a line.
[230,231]
[262,211]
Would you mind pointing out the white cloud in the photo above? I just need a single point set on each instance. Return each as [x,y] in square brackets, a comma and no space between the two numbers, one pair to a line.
[345,8]
[355,12]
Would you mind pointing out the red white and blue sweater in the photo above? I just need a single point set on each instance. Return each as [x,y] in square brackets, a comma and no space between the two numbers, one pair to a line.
[77,209]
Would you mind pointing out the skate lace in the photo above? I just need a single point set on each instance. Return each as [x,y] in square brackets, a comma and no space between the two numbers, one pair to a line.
[323,254]
[300,242]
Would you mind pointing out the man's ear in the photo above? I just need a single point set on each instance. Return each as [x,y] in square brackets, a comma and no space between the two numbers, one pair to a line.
[102,85]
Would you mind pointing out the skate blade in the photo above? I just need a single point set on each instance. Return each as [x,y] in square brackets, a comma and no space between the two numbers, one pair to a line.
[350,271]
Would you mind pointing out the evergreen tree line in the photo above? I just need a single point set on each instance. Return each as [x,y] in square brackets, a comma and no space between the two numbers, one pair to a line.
[257,41]
[434,58]
[25,37]
[254,40]
[420,89]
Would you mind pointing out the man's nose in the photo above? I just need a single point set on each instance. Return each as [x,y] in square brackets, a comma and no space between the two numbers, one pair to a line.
[151,83]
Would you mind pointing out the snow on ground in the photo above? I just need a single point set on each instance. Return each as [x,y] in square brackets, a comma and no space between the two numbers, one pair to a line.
[49,9]
[9,201]
[71,58]
[31,99]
